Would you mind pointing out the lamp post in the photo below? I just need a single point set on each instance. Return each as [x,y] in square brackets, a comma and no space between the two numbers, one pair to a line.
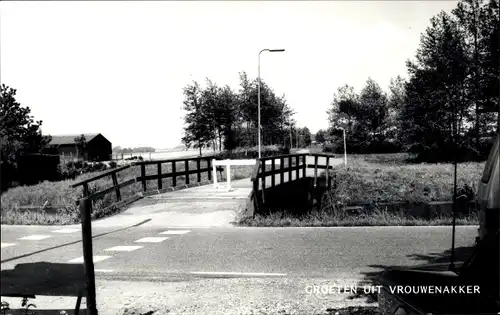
[258,93]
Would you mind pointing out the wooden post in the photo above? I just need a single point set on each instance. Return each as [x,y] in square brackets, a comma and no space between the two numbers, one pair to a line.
[315,170]
[85,189]
[88,262]
[143,176]
[273,168]
[174,174]
[160,180]
[290,168]
[186,168]
[327,174]
[282,173]
[304,166]
[297,167]
[198,168]
[209,171]
[117,189]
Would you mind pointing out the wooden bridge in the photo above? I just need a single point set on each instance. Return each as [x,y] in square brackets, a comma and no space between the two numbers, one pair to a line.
[179,189]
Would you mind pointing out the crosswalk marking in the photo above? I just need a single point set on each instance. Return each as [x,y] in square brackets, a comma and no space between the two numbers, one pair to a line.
[66,230]
[104,270]
[123,248]
[8,244]
[152,240]
[79,260]
[175,232]
[35,237]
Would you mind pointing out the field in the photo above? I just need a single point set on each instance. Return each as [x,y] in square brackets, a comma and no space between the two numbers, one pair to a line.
[166,154]
[382,178]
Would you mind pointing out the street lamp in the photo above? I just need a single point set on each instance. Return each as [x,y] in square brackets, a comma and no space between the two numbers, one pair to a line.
[258,93]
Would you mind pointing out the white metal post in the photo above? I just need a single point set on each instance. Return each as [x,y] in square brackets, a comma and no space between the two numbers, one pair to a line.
[258,104]
[228,174]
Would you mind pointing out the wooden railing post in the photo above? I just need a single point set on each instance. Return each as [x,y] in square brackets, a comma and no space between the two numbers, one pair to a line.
[174,174]
[297,164]
[86,191]
[290,168]
[143,175]
[160,181]
[315,170]
[209,166]
[282,173]
[328,183]
[186,169]
[115,183]
[88,262]
[198,167]
[304,165]
[273,168]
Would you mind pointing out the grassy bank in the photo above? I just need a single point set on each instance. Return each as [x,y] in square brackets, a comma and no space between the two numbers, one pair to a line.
[378,217]
[63,197]
[382,178]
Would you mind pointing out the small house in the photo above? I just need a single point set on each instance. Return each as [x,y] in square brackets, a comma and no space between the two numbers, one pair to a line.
[97,147]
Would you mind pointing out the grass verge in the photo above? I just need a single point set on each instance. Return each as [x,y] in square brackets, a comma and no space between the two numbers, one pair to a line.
[328,219]
[382,178]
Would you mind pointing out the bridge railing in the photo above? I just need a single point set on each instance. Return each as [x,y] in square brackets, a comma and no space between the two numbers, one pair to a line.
[185,169]
[292,164]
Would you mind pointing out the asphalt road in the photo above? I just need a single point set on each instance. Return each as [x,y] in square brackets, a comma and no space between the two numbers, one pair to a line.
[348,253]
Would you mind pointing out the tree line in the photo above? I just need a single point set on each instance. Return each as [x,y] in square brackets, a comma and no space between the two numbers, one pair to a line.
[120,150]
[449,104]
[222,118]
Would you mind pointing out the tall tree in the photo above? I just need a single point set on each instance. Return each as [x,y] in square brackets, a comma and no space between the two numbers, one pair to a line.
[320,136]
[197,131]
[81,145]
[435,91]
[19,132]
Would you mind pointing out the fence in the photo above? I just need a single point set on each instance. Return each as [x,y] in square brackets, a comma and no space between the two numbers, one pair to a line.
[144,177]
[290,165]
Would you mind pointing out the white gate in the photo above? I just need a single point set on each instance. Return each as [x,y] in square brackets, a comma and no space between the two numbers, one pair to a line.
[228,164]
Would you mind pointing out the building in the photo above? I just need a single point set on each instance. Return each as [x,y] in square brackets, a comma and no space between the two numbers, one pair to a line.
[98,148]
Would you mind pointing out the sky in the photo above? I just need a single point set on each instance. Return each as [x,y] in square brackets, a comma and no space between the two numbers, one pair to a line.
[119,68]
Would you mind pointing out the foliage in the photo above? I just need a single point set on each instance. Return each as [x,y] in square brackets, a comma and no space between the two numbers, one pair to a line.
[81,146]
[18,130]
[448,107]
[320,136]
[120,150]
[228,119]
[19,134]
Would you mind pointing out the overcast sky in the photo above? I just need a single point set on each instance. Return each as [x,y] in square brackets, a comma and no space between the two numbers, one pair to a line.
[119,68]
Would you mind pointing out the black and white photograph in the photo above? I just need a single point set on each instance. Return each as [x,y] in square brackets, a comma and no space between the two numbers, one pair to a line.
[250,157]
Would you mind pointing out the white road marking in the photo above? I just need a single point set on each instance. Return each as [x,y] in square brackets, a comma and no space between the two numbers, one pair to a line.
[152,239]
[236,273]
[66,230]
[79,260]
[35,237]
[103,270]
[175,232]
[8,244]
[124,248]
